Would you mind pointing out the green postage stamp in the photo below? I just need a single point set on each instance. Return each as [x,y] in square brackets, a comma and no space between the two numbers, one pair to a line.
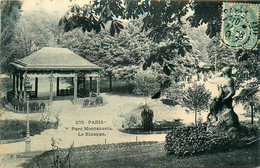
[240,25]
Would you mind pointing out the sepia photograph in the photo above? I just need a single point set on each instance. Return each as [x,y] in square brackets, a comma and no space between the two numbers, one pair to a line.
[130,84]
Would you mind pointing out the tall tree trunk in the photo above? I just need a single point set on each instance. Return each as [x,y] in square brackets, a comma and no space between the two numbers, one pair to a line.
[252,113]
[110,81]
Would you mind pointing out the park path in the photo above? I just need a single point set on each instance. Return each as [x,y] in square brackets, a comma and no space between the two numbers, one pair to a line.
[106,116]
[71,121]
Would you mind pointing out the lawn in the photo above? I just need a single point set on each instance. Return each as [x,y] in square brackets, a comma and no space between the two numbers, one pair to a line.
[151,155]
[16,129]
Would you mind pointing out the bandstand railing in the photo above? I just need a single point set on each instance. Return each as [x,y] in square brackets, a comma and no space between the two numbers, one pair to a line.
[19,104]
[89,101]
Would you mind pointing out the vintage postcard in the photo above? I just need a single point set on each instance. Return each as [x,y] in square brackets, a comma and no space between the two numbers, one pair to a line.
[129,83]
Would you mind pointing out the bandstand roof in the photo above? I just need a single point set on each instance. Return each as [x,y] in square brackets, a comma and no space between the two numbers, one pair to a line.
[54,59]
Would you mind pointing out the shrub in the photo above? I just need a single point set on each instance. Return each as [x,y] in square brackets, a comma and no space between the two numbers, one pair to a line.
[147,119]
[9,95]
[15,102]
[192,140]
[34,106]
[131,122]
[169,102]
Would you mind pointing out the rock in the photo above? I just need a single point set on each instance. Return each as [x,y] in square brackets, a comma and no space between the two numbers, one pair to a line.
[227,122]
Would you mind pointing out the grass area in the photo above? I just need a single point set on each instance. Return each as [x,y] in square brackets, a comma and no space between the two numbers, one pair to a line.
[16,129]
[152,155]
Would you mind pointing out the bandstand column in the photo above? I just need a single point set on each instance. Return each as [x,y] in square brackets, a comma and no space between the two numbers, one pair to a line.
[23,84]
[58,85]
[21,81]
[13,82]
[17,83]
[51,88]
[75,80]
[36,87]
[97,85]
[84,83]
[90,84]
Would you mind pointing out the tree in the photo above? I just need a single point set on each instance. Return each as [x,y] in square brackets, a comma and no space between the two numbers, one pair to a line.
[220,57]
[10,13]
[32,32]
[146,82]
[196,98]
[120,56]
[93,16]
[249,96]
[248,67]
[175,93]
[161,20]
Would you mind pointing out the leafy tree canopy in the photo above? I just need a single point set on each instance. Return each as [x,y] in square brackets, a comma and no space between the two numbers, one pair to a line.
[10,13]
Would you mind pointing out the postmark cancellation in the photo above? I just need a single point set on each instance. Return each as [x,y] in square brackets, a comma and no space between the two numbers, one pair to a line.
[240,25]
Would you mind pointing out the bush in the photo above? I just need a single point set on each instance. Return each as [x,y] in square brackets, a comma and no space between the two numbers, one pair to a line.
[192,140]
[169,102]
[147,119]
[9,95]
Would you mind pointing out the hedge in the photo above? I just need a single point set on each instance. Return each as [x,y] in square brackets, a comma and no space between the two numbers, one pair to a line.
[192,140]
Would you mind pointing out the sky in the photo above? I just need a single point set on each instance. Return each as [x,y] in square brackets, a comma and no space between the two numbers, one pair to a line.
[58,6]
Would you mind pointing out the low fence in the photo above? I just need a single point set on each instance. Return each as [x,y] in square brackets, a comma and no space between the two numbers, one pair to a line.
[35,106]
[89,101]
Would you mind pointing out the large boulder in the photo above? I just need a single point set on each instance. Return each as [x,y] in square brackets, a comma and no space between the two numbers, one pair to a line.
[227,121]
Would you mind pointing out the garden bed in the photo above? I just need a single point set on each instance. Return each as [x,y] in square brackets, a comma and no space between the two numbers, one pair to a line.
[159,127]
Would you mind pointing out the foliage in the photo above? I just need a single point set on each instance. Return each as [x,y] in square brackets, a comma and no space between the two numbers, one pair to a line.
[175,92]
[218,56]
[199,42]
[193,140]
[131,122]
[196,98]
[58,160]
[32,32]
[247,68]
[161,20]
[147,119]
[146,82]
[152,154]
[93,16]
[119,55]
[249,97]
[10,13]
[207,13]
